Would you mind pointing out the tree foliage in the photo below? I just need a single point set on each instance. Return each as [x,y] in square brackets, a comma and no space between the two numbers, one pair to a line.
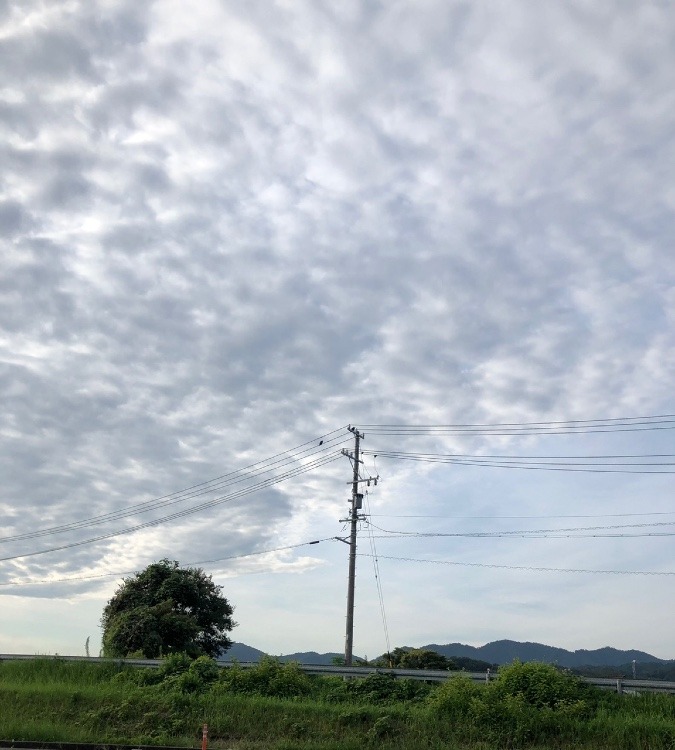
[166,609]
[416,658]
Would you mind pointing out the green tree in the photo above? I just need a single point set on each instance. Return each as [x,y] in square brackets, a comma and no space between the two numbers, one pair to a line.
[166,609]
[417,658]
[424,658]
[392,659]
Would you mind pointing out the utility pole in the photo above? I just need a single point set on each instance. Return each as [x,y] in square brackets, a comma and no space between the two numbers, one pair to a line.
[354,517]
[357,501]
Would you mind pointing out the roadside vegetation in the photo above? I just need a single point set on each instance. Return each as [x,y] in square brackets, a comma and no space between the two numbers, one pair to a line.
[277,706]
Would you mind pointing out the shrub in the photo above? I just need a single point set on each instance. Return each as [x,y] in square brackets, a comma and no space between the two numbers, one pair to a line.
[542,686]
[174,664]
[454,697]
[508,719]
[385,688]
[178,672]
[205,669]
[270,678]
[528,703]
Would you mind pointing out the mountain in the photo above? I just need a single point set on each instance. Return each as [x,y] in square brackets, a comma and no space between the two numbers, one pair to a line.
[496,652]
[242,652]
[504,652]
[643,671]
[312,657]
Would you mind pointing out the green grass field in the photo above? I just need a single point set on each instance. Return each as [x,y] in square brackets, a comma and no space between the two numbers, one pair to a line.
[276,706]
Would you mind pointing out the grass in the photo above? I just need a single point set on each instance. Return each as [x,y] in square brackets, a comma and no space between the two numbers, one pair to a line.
[277,707]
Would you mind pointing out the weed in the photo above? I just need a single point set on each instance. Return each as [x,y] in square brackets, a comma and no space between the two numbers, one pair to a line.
[383,727]
[276,706]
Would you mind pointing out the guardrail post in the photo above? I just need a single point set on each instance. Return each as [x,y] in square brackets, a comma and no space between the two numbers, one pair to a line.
[487,675]
[619,686]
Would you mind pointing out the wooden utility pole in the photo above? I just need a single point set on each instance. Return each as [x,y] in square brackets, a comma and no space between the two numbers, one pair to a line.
[356,504]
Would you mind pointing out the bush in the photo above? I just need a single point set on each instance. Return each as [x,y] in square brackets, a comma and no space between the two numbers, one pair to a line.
[509,720]
[174,664]
[543,686]
[178,672]
[270,678]
[385,688]
[454,698]
[528,703]
[205,669]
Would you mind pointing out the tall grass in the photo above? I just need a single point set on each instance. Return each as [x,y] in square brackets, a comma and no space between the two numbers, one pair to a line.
[278,707]
[54,671]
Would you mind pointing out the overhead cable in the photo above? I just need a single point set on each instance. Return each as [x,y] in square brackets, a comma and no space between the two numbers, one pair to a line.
[560,427]
[188,511]
[247,473]
[562,463]
[521,532]
[496,518]
[528,567]
[378,578]
[187,565]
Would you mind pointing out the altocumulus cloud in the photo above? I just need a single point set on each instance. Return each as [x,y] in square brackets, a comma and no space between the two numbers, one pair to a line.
[230,228]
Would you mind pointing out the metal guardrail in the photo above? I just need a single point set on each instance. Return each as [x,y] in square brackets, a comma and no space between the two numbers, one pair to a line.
[620,685]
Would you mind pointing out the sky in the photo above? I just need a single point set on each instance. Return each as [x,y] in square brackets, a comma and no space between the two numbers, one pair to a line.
[231,230]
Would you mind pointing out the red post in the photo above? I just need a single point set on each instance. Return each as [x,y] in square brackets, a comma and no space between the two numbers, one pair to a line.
[205,736]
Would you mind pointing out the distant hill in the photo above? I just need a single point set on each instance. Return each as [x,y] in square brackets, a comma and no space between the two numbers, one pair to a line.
[643,671]
[504,652]
[467,664]
[242,652]
[496,652]
[312,657]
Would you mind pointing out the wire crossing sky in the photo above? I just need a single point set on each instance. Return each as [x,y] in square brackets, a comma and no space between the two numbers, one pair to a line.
[232,228]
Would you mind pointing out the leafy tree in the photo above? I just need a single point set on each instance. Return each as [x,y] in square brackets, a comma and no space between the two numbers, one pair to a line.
[473,665]
[424,658]
[166,609]
[416,658]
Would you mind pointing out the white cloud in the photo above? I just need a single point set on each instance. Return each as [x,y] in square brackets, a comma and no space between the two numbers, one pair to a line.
[228,230]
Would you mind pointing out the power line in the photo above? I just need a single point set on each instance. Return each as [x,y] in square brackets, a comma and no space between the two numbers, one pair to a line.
[190,564]
[378,579]
[532,431]
[189,511]
[532,464]
[519,424]
[521,532]
[276,462]
[570,533]
[329,440]
[560,427]
[528,567]
[526,535]
[475,518]
[557,459]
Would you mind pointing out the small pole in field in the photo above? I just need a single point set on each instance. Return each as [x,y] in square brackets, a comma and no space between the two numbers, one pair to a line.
[205,736]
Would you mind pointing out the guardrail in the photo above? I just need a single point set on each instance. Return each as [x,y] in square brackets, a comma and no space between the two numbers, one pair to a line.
[620,685]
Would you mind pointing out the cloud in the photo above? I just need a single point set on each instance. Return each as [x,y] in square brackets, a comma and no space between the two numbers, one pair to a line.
[231,230]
